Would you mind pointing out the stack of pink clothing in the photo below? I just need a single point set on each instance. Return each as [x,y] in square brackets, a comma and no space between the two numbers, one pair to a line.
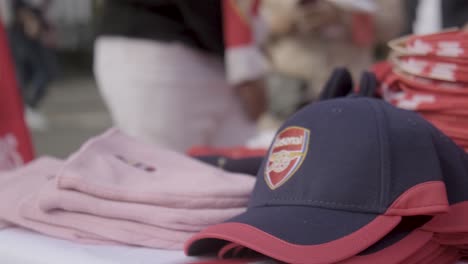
[118,190]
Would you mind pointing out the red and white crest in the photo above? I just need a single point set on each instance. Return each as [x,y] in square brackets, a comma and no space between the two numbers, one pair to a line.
[286,155]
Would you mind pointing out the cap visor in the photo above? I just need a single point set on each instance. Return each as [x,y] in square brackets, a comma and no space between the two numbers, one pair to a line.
[455,221]
[407,245]
[429,251]
[296,234]
[448,256]
[452,239]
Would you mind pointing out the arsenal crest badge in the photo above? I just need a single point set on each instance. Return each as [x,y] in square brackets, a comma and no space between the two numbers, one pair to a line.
[286,155]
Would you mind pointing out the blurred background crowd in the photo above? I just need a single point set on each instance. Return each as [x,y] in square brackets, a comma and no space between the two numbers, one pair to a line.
[80,63]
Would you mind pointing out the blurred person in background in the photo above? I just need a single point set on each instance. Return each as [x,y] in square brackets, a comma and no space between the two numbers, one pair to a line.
[430,16]
[31,40]
[159,67]
[311,37]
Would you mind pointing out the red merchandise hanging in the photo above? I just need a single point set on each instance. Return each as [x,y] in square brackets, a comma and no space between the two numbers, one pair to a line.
[15,141]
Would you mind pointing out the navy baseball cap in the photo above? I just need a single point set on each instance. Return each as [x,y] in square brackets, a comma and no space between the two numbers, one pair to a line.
[404,244]
[339,84]
[453,161]
[248,165]
[339,176]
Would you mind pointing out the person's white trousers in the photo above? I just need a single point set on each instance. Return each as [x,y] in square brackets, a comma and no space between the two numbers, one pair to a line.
[169,94]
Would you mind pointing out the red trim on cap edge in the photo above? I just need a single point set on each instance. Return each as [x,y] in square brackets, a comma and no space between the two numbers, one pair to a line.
[269,245]
[455,221]
[448,241]
[427,198]
[449,255]
[397,252]
[432,248]
[226,249]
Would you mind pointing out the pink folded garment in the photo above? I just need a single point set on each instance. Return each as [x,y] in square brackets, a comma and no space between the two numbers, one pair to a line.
[19,193]
[115,166]
[4,224]
[122,231]
[190,220]
[18,185]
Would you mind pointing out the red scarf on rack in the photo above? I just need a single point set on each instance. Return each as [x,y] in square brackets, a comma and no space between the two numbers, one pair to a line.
[15,141]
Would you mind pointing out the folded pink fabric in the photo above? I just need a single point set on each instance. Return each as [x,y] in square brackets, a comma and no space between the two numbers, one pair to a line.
[4,225]
[117,190]
[20,190]
[18,185]
[122,231]
[189,220]
[116,167]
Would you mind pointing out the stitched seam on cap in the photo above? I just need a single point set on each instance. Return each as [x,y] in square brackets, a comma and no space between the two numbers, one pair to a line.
[423,206]
[381,152]
[325,202]
[418,186]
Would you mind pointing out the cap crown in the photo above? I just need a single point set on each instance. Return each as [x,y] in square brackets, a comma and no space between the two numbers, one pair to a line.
[354,154]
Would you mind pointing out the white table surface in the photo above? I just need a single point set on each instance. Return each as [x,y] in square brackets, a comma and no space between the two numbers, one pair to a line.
[18,246]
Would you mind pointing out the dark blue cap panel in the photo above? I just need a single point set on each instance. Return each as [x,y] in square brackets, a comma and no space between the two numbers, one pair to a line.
[413,155]
[341,168]
[362,155]
[403,229]
[304,225]
[454,166]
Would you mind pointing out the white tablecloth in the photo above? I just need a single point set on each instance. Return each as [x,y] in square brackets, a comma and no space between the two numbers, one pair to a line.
[18,246]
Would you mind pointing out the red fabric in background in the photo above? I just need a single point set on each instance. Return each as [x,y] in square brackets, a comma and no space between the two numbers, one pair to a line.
[15,141]
[239,152]
[363,29]
[427,74]
[237,17]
